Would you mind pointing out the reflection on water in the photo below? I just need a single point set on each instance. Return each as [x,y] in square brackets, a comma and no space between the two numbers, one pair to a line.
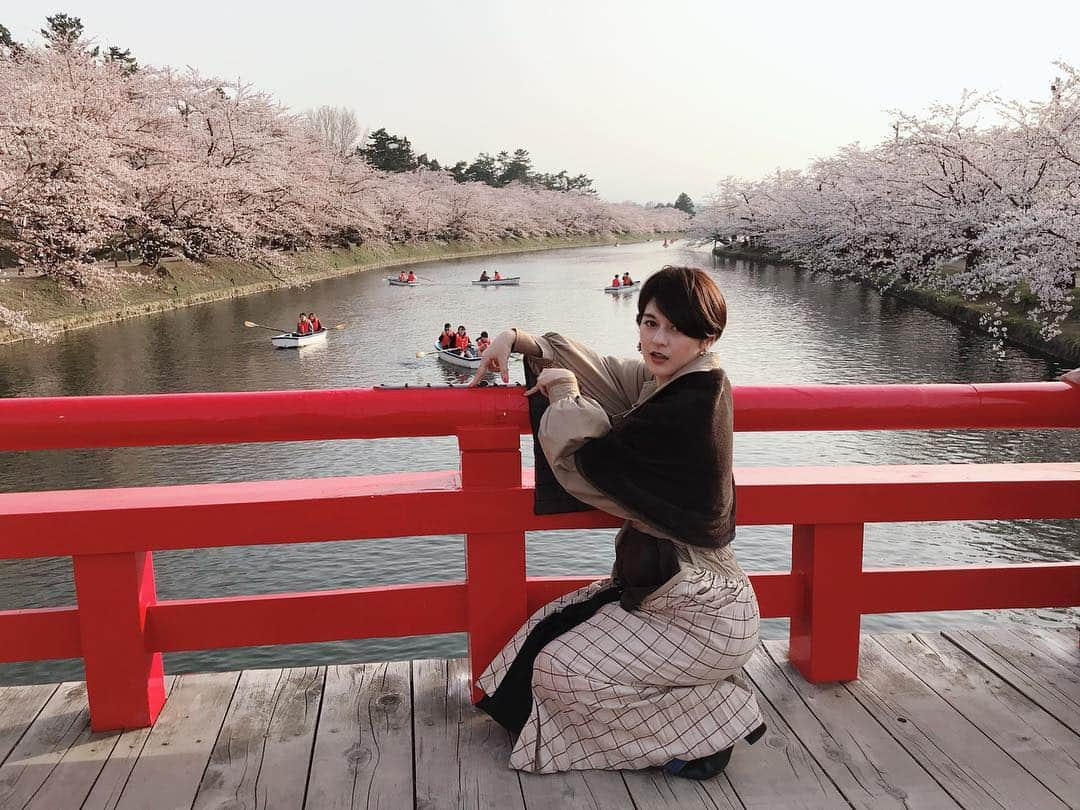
[785,326]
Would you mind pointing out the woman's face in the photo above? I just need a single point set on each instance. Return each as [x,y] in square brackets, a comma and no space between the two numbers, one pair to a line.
[663,347]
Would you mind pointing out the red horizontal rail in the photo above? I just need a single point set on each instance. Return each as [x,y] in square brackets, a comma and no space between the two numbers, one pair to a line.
[913,590]
[275,416]
[424,504]
[39,634]
[390,611]
[245,621]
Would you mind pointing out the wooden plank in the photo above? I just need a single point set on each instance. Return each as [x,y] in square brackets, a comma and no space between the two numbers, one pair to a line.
[1061,645]
[869,767]
[1052,687]
[575,790]
[461,754]
[171,764]
[62,725]
[974,771]
[778,771]
[1048,750]
[113,778]
[363,747]
[263,750]
[19,705]
[654,790]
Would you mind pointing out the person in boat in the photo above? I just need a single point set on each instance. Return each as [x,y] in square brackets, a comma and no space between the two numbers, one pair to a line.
[498,276]
[615,281]
[484,275]
[651,673]
[463,343]
[303,325]
[316,324]
[411,277]
[626,280]
[402,276]
[447,340]
[482,343]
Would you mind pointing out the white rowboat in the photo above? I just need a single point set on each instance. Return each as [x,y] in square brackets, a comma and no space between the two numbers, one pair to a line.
[513,281]
[292,340]
[622,288]
[397,282]
[453,358]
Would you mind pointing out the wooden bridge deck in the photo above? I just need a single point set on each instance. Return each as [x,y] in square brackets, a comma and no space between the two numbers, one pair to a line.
[971,718]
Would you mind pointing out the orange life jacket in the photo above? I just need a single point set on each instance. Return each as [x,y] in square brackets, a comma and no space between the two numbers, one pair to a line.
[461,342]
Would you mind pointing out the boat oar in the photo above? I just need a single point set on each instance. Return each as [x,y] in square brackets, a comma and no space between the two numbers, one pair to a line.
[513,357]
[252,324]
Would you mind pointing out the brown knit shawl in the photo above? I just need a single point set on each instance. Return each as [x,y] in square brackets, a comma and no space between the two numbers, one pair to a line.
[668,460]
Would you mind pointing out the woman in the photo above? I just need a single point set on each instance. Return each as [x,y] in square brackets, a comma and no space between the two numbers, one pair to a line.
[641,669]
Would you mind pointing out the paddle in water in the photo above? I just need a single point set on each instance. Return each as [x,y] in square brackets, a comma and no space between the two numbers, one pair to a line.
[252,324]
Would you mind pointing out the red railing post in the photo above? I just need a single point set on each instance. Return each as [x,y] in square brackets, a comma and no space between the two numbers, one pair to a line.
[824,640]
[124,680]
[494,562]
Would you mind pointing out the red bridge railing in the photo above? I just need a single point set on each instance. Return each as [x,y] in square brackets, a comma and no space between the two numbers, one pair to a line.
[119,628]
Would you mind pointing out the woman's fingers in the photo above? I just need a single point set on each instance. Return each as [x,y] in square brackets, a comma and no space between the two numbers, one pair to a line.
[491,362]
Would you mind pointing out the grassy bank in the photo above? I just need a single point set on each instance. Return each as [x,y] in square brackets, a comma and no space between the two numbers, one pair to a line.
[181,283]
[1022,332]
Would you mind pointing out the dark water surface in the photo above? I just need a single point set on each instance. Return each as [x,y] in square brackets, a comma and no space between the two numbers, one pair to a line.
[785,326]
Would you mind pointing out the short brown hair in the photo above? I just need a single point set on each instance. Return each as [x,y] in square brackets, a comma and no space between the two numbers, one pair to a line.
[689,298]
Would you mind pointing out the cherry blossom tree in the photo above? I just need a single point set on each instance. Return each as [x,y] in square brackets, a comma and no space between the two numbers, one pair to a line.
[991,211]
[98,155]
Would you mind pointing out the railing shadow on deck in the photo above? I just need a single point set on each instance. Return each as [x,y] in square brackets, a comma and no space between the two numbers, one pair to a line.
[120,629]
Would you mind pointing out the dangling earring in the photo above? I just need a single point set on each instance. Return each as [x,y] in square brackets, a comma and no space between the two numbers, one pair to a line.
[639,346]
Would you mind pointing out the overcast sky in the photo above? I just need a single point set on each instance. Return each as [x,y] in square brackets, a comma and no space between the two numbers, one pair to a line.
[648,99]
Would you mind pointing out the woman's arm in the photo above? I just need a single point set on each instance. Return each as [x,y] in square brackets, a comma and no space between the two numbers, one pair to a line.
[615,383]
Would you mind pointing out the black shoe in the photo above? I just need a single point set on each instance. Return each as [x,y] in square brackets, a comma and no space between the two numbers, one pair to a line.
[701,768]
[712,765]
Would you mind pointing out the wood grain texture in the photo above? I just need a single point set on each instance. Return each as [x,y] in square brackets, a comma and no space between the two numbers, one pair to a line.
[363,748]
[867,765]
[461,754]
[264,748]
[974,771]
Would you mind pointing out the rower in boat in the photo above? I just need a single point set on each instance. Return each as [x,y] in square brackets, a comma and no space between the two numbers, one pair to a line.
[615,281]
[411,278]
[447,340]
[402,276]
[303,325]
[498,276]
[482,343]
[463,344]
[484,275]
[316,324]
[626,280]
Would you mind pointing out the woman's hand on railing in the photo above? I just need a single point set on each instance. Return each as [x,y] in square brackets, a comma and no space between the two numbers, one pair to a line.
[496,357]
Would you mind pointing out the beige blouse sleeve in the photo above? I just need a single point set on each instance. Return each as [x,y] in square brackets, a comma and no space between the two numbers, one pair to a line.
[614,383]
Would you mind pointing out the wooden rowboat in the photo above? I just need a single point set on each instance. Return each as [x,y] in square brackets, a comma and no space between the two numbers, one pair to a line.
[291,340]
[453,358]
[513,281]
[622,288]
[397,282]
